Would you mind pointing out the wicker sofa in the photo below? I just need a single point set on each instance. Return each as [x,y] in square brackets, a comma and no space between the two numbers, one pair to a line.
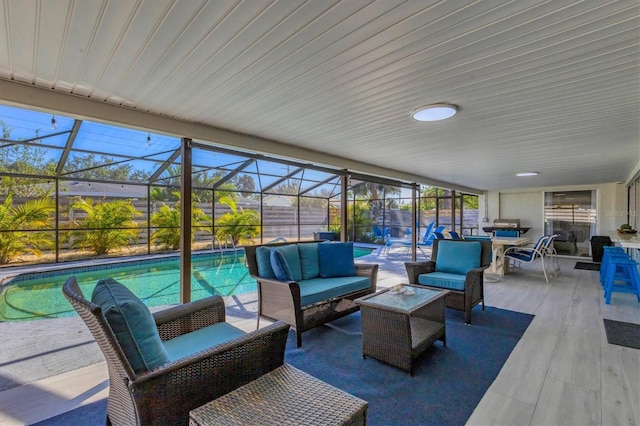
[315,299]
[459,271]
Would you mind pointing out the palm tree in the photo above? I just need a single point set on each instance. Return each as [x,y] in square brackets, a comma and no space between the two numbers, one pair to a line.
[239,224]
[107,226]
[22,227]
[167,220]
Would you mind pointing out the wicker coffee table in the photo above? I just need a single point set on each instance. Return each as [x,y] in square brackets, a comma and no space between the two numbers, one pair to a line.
[397,328]
[284,396]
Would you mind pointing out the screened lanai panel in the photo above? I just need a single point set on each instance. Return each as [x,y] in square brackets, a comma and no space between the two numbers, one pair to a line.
[31,158]
[31,142]
[204,177]
[216,160]
[54,141]
[246,183]
[218,170]
[21,124]
[314,216]
[170,174]
[107,139]
[322,185]
[270,173]
[286,186]
[108,167]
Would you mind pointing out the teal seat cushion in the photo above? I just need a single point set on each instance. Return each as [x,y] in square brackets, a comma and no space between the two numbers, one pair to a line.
[263,260]
[336,260]
[200,340]
[285,262]
[132,323]
[322,289]
[456,257]
[309,262]
[443,280]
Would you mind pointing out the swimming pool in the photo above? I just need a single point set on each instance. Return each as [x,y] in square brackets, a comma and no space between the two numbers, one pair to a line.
[155,281]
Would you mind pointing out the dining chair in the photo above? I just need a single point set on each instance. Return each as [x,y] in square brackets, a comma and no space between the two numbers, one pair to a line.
[529,254]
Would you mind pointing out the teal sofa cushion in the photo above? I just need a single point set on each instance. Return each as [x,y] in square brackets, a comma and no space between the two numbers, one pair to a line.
[132,323]
[458,258]
[263,260]
[336,260]
[285,262]
[200,340]
[322,289]
[309,262]
[443,280]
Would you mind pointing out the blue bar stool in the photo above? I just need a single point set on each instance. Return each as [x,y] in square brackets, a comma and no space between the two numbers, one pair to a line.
[609,253]
[621,275]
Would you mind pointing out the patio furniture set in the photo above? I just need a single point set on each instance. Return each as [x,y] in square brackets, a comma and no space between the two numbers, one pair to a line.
[187,364]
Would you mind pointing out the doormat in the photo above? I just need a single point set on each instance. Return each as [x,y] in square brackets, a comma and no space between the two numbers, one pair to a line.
[588,266]
[622,333]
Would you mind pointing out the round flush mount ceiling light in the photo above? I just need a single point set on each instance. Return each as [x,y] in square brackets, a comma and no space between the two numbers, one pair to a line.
[521,174]
[434,112]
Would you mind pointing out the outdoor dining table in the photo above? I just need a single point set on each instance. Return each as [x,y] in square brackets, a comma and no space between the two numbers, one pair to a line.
[500,265]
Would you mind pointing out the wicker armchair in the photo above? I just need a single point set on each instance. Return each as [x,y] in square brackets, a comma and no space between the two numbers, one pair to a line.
[166,394]
[473,292]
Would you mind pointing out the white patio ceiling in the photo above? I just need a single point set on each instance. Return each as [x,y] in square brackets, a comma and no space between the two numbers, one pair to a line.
[547,86]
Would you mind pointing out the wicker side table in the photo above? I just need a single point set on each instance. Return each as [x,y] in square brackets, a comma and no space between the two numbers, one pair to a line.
[285,396]
[397,328]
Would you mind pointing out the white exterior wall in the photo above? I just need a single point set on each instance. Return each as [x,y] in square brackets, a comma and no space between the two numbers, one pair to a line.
[528,206]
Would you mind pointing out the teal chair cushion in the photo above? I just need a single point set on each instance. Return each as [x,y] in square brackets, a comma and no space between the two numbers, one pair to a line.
[505,233]
[336,260]
[458,257]
[285,262]
[200,340]
[263,260]
[132,323]
[309,262]
[443,280]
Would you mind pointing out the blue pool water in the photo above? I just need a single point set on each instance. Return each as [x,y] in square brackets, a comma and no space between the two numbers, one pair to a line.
[156,282]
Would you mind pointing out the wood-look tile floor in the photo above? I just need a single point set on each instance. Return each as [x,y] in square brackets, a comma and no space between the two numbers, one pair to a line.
[562,372]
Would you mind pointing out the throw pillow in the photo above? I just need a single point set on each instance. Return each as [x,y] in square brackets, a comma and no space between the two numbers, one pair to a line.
[309,262]
[456,257]
[336,260]
[263,260]
[132,323]
[285,262]
[280,266]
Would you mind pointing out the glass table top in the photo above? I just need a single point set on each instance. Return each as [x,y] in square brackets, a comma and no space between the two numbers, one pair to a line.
[406,300]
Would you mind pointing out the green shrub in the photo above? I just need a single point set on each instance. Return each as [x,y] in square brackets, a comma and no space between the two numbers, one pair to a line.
[15,240]
[106,227]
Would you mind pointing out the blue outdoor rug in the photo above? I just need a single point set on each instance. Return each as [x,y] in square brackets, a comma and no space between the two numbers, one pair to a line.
[446,385]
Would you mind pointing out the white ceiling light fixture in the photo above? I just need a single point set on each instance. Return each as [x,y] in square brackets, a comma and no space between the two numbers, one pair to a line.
[522,174]
[434,112]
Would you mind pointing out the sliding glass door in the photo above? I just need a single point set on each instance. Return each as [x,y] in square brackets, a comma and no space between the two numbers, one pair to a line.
[571,215]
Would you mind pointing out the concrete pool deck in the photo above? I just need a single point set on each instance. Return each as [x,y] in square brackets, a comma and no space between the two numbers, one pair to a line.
[51,366]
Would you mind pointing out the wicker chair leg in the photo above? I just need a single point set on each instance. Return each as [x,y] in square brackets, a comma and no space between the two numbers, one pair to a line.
[299,338]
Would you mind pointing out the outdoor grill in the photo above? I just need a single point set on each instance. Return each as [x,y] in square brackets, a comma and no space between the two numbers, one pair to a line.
[506,224]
